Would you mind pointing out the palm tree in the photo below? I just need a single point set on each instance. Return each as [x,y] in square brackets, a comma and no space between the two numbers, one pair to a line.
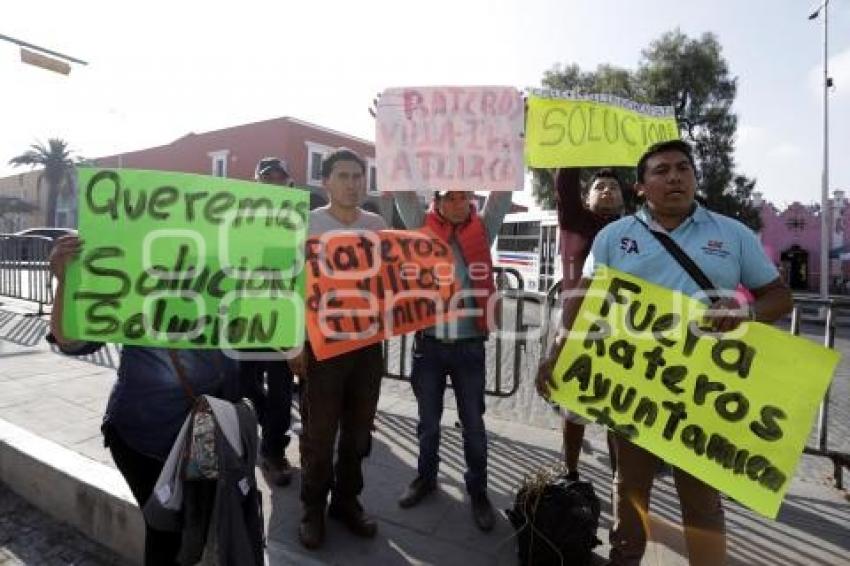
[58,166]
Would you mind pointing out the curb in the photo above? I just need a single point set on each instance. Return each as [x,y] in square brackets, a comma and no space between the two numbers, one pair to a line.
[90,496]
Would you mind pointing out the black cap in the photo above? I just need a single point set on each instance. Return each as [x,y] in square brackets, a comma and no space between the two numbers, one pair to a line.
[268,164]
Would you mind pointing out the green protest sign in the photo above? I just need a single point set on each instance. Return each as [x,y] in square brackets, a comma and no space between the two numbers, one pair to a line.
[732,409]
[187,261]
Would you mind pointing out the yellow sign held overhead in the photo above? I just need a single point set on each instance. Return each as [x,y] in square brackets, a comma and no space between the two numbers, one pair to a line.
[731,409]
[593,130]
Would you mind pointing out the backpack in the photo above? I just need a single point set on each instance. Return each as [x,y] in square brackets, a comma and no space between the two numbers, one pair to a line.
[556,522]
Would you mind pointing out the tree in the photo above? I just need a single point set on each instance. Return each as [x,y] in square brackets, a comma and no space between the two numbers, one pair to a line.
[58,166]
[692,76]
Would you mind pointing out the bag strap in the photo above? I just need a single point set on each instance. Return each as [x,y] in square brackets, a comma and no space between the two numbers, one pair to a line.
[181,375]
[692,269]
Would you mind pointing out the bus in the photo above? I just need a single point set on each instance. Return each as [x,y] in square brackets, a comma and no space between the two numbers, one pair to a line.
[530,243]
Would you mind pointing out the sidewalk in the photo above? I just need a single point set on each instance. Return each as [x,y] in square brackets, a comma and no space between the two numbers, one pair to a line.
[50,411]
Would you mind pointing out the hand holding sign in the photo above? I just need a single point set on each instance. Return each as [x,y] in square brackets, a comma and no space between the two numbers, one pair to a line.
[65,249]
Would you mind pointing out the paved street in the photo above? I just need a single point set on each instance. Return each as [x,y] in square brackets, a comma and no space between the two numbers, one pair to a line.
[29,536]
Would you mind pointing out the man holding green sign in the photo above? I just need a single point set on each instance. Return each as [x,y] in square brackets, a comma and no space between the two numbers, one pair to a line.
[728,254]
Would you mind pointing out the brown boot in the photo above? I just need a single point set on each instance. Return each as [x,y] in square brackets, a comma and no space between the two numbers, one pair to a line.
[311,531]
[351,514]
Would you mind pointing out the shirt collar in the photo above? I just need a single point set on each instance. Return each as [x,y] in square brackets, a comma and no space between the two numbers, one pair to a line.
[698,216]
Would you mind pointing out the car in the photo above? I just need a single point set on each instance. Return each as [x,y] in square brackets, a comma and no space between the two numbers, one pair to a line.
[47,232]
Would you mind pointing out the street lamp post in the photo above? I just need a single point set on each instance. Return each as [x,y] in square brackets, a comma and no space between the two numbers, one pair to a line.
[825,225]
[43,57]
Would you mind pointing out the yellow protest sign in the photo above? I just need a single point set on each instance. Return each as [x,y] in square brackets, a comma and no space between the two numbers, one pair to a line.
[732,409]
[593,130]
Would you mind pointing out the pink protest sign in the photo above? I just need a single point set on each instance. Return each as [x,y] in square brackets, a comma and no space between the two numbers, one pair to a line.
[450,138]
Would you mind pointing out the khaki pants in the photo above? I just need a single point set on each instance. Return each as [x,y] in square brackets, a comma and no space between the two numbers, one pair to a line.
[702,511]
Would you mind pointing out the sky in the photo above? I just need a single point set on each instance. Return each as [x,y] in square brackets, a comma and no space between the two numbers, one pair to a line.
[158,70]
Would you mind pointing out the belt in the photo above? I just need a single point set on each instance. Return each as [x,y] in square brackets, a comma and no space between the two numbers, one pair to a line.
[451,341]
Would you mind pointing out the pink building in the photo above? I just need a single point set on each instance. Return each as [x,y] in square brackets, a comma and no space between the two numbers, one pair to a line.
[792,240]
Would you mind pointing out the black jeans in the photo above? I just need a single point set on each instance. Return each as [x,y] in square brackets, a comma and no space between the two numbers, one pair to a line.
[340,393]
[141,473]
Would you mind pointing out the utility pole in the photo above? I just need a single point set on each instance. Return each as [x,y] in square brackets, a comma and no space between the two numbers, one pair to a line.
[825,224]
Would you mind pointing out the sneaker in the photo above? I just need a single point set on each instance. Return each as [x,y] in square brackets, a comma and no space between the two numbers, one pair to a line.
[278,469]
[482,512]
[416,492]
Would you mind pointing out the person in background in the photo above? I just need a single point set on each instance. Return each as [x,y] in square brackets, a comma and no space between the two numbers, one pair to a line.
[582,213]
[265,377]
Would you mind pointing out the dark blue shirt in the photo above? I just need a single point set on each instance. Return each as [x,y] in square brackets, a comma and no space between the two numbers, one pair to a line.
[148,403]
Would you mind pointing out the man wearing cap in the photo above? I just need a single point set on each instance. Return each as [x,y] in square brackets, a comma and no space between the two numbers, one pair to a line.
[667,181]
[273,171]
[265,376]
[456,348]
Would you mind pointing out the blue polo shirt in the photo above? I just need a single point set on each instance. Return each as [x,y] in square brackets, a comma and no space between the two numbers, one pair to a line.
[728,252]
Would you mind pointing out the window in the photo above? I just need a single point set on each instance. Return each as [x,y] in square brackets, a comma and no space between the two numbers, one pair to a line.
[514,244]
[315,152]
[520,229]
[316,166]
[219,162]
[371,177]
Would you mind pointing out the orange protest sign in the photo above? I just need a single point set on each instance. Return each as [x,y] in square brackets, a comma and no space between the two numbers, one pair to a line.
[363,288]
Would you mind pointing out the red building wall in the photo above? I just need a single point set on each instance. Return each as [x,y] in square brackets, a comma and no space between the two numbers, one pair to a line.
[281,137]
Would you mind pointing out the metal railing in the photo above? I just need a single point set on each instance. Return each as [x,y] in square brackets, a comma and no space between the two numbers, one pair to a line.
[504,379]
[826,312]
[25,270]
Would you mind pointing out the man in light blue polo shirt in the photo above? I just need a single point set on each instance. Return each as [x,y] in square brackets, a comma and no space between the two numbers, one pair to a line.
[729,254]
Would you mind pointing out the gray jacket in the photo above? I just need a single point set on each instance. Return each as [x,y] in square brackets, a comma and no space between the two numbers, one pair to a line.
[221,520]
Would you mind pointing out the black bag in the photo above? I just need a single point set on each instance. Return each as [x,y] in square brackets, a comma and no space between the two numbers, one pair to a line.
[556,524]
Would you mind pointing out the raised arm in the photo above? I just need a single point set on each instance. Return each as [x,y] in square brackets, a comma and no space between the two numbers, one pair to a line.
[568,196]
[66,250]
[410,209]
[496,206]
